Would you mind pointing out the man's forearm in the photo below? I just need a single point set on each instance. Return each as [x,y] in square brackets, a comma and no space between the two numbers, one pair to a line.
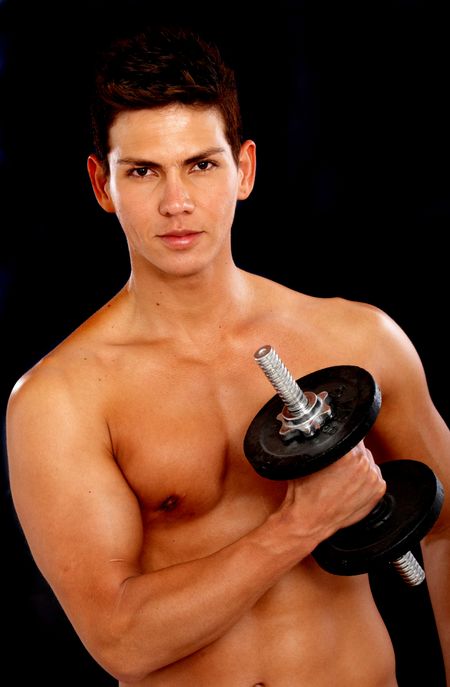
[436,553]
[168,614]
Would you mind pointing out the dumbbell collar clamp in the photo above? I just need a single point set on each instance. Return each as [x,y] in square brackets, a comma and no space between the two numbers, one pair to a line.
[308,420]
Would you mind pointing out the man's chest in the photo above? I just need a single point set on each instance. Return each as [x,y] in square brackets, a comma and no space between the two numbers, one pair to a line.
[177,433]
[177,423]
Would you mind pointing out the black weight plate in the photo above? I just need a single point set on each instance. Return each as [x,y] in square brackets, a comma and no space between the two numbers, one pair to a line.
[355,401]
[414,500]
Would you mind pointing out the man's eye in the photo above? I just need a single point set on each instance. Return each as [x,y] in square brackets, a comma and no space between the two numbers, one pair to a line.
[204,165]
[140,171]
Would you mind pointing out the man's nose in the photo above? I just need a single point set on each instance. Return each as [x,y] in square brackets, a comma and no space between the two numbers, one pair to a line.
[175,198]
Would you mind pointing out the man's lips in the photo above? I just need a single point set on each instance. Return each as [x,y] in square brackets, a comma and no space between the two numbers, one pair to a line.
[181,238]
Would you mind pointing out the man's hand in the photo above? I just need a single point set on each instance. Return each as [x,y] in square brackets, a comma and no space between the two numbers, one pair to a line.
[337,496]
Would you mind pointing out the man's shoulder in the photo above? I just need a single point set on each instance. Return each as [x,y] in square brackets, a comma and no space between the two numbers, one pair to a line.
[362,324]
[334,310]
[373,338]
[51,382]
[81,348]
[67,368]
[347,327]
[358,313]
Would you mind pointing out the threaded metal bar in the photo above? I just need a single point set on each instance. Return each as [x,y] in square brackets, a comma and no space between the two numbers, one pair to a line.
[409,569]
[281,379]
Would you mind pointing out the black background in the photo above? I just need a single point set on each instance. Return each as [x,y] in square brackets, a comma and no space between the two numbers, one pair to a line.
[348,104]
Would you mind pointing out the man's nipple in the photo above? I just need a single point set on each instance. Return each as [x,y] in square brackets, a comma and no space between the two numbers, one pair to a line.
[170,503]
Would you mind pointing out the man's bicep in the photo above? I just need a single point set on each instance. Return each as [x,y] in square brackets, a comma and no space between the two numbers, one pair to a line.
[79,516]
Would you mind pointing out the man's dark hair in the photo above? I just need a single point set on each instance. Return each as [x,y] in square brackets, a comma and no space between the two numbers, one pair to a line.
[154,68]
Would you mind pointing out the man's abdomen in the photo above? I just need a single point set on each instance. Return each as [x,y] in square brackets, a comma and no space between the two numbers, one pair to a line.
[311,629]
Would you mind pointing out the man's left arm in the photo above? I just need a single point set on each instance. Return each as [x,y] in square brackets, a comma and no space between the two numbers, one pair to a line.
[410,427]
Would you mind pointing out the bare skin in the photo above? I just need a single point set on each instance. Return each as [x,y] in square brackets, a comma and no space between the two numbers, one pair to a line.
[177,563]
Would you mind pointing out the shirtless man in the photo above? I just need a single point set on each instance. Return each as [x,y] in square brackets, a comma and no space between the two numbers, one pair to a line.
[176,563]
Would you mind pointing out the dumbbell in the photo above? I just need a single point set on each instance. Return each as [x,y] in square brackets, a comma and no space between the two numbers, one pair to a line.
[300,432]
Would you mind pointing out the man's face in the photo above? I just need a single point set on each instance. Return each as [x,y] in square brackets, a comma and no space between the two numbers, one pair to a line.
[174,186]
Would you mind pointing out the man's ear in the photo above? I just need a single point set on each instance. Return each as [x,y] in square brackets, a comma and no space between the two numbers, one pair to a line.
[100,183]
[247,169]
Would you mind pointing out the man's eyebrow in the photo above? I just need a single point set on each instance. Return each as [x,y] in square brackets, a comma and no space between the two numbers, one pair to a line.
[204,154]
[137,162]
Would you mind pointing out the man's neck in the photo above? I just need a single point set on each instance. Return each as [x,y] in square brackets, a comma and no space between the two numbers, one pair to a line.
[190,308]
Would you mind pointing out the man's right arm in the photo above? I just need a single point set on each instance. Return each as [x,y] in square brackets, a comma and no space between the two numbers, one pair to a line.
[84,528]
